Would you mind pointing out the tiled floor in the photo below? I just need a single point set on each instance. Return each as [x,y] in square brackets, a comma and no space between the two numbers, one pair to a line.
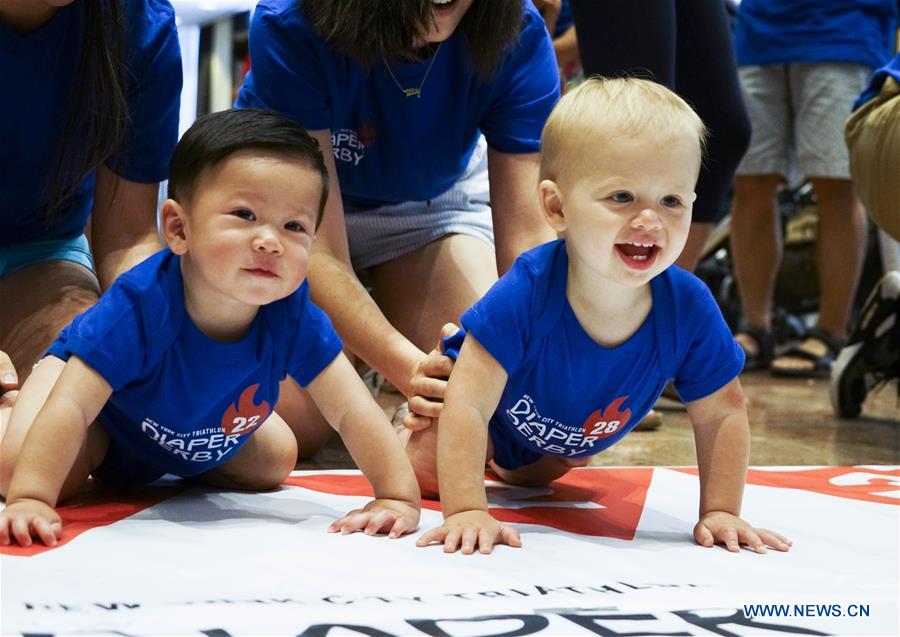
[791,420]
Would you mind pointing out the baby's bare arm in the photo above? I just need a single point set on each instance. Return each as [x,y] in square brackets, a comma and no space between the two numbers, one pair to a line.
[51,445]
[473,392]
[349,407]
[722,434]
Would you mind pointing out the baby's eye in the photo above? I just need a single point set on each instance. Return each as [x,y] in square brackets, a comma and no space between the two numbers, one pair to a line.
[622,197]
[670,201]
[243,213]
[294,226]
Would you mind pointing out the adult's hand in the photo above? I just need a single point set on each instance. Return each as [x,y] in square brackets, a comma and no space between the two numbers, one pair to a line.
[9,380]
[428,384]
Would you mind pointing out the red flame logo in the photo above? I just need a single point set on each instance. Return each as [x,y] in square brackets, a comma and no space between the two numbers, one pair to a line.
[608,422]
[244,417]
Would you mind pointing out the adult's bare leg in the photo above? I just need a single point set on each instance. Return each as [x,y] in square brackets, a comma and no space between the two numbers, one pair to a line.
[38,302]
[433,285]
[841,248]
[693,249]
[756,248]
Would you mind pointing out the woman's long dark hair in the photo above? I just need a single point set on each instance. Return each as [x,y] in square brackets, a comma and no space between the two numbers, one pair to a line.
[98,110]
[368,30]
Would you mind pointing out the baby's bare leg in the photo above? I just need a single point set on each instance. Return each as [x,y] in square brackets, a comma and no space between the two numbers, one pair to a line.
[421,448]
[28,403]
[540,473]
[262,464]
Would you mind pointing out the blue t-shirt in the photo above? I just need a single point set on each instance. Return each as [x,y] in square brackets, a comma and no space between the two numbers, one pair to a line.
[570,397]
[182,402]
[891,69]
[389,147]
[565,19]
[39,71]
[786,31]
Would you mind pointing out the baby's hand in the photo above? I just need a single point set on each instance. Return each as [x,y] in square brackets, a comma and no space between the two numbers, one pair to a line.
[468,529]
[24,519]
[393,517]
[719,527]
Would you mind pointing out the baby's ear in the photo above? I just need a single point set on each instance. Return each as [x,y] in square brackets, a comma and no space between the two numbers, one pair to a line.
[173,222]
[552,204]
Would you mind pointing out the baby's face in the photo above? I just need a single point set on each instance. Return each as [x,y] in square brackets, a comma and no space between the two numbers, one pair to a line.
[250,227]
[627,207]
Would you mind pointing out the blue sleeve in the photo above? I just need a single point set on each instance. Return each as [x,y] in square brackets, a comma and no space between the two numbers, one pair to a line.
[524,92]
[110,337]
[154,90]
[315,343]
[502,319]
[286,68]
[713,358]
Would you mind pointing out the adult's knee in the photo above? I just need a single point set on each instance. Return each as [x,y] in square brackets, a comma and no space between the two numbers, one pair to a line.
[754,190]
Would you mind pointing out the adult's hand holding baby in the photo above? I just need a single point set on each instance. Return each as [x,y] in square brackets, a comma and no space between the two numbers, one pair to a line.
[428,384]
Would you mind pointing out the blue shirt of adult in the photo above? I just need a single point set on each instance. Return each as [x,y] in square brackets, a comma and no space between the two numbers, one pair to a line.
[787,31]
[891,69]
[565,20]
[183,403]
[39,70]
[389,147]
[568,396]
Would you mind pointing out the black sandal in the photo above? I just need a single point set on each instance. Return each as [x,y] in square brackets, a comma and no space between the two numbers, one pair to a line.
[765,347]
[821,365]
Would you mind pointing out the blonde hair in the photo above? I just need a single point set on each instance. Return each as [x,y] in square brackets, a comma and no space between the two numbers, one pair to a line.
[602,108]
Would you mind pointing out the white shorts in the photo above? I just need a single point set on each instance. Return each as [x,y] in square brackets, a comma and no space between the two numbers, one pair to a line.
[798,112]
[380,234]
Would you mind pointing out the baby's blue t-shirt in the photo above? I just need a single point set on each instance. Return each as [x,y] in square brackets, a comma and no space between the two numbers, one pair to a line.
[388,147]
[182,402]
[570,397]
[39,72]
[787,31]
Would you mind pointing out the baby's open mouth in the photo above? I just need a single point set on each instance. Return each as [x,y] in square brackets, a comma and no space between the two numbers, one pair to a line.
[639,255]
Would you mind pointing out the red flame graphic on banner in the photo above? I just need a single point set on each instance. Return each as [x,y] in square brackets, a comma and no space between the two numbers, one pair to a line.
[247,416]
[608,422]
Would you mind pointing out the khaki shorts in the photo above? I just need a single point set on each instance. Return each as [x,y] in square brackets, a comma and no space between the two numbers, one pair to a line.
[798,112]
[873,137]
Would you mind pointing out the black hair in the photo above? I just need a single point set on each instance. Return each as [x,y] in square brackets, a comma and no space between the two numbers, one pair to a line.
[97,113]
[215,137]
[369,30]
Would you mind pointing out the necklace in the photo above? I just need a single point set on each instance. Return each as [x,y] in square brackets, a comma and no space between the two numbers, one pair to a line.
[416,91]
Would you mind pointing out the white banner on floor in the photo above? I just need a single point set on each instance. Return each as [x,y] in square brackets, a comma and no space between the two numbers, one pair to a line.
[607,552]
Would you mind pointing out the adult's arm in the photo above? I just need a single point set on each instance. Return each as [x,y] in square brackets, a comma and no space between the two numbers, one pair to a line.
[123,224]
[566,47]
[335,288]
[519,224]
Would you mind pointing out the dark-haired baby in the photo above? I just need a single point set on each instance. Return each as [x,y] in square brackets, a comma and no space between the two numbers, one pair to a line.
[177,367]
